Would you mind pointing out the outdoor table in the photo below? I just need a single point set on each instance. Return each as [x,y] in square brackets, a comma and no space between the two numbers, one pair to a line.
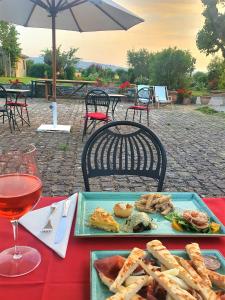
[18,94]
[76,84]
[115,99]
[69,278]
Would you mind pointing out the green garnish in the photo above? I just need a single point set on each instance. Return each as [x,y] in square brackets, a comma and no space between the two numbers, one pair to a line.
[185,224]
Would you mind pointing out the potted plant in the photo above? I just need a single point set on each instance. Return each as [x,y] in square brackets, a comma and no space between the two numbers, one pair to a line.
[184,96]
[205,98]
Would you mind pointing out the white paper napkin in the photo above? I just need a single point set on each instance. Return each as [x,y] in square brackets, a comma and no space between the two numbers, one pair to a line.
[35,220]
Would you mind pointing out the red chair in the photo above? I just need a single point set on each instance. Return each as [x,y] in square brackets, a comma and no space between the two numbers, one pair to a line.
[143,100]
[19,103]
[97,107]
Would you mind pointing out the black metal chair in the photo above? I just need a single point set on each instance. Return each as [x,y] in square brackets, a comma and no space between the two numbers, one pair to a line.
[97,107]
[143,100]
[124,148]
[5,109]
[18,102]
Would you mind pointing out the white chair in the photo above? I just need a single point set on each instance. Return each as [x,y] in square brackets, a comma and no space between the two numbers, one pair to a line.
[161,95]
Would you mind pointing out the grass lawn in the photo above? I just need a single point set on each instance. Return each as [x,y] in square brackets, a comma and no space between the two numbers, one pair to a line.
[210,111]
[22,79]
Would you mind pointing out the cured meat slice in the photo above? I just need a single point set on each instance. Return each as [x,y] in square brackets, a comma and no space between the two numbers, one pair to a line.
[211,262]
[109,266]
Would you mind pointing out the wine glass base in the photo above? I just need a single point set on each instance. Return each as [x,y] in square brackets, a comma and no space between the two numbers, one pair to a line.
[23,263]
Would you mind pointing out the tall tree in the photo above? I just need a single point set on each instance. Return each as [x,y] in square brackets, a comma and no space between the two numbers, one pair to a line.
[139,61]
[171,67]
[9,41]
[64,59]
[211,38]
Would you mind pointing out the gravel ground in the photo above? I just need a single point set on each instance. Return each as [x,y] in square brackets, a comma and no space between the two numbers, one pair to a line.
[194,142]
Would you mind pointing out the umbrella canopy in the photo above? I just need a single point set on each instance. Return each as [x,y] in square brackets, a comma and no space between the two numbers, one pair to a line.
[74,15]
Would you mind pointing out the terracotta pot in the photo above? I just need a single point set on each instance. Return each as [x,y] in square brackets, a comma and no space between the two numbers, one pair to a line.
[205,100]
[187,101]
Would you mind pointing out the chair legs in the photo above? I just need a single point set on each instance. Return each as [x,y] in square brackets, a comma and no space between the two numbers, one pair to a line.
[140,115]
[85,128]
[92,122]
[20,113]
[10,118]
[126,114]
[148,117]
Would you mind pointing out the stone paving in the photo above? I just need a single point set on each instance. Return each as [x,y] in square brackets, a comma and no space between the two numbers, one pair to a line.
[194,142]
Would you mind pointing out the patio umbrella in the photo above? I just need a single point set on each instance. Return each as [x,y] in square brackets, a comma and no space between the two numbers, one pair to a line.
[74,15]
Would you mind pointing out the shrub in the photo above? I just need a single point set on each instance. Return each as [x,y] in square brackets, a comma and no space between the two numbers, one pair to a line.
[69,72]
[40,70]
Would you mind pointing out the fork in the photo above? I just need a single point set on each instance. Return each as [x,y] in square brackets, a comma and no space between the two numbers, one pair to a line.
[48,226]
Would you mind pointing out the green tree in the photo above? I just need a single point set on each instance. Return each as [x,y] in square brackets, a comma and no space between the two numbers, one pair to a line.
[215,72]
[40,70]
[9,41]
[171,67]
[64,60]
[29,64]
[139,61]
[123,75]
[211,38]
[200,81]
[96,71]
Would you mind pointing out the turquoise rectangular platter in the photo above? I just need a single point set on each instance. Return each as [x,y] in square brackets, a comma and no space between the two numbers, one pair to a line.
[88,201]
[100,292]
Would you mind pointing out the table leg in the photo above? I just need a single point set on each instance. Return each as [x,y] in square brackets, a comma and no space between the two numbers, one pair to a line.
[115,101]
[46,90]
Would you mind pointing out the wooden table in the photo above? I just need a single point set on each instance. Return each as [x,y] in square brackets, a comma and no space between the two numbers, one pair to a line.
[77,85]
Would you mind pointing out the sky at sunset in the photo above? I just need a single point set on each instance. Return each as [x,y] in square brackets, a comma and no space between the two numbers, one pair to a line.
[167,23]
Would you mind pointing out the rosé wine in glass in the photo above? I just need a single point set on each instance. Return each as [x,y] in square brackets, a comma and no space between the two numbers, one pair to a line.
[20,190]
[18,194]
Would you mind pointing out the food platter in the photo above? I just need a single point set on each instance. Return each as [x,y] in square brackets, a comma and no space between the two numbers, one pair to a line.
[89,201]
[101,292]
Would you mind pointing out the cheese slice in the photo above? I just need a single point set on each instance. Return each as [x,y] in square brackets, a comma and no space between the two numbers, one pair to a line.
[175,291]
[101,219]
[159,251]
[129,292]
[194,253]
[130,264]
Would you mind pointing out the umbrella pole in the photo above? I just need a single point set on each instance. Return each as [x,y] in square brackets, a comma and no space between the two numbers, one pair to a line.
[54,104]
[54,127]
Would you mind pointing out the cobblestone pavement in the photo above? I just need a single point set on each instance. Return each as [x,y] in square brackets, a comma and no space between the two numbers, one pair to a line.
[195,146]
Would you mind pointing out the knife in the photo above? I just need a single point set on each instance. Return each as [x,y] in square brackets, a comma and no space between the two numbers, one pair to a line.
[61,229]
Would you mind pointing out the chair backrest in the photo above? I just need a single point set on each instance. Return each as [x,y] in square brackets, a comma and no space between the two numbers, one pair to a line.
[97,98]
[3,94]
[145,94]
[124,148]
[161,93]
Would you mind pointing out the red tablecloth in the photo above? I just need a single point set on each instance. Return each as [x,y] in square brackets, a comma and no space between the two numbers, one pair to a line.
[68,279]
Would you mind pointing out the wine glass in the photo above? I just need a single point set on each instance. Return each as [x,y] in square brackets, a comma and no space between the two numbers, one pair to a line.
[20,190]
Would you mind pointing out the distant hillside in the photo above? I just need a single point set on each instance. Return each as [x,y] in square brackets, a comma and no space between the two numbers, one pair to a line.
[85,64]
[81,64]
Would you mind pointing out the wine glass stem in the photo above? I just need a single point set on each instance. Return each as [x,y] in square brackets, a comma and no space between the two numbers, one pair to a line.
[16,254]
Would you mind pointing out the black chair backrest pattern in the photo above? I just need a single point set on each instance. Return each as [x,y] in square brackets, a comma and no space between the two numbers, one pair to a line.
[97,98]
[124,148]
[145,95]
